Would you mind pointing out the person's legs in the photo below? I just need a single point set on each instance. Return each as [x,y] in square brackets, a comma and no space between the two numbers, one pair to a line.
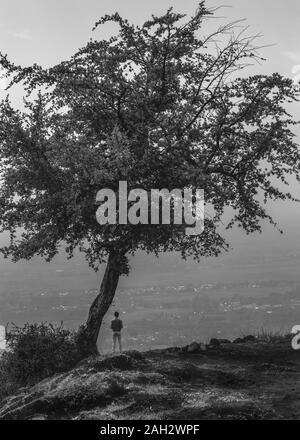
[120,342]
[114,342]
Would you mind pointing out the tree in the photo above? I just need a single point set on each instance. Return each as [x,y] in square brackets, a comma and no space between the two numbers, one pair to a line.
[158,106]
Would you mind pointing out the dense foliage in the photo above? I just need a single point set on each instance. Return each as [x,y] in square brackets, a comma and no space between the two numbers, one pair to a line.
[155,106]
[37,351]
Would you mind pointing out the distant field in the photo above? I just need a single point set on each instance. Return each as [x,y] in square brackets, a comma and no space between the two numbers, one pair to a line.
[156,310]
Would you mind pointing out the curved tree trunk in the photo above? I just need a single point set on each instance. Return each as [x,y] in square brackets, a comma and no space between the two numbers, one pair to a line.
[102,302]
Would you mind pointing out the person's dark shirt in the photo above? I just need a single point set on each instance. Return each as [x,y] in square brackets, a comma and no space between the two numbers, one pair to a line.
[116,325]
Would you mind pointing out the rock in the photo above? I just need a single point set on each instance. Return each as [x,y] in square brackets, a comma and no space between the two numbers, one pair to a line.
[194,347]
[245,339]
[214,343]
[249,338]
[172,350]
[238,341]
[224,341]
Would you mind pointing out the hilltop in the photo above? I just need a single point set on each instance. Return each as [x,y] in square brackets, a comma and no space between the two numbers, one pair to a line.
[244,380]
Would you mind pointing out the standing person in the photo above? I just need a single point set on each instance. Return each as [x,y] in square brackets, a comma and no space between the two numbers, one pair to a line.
[116,326]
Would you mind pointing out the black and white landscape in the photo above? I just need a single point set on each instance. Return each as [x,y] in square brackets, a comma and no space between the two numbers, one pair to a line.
[157,95]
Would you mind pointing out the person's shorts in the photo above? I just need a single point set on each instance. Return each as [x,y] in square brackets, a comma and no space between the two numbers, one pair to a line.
[117,336]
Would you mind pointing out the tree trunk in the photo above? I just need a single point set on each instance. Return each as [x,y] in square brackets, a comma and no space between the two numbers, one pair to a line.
[102,302]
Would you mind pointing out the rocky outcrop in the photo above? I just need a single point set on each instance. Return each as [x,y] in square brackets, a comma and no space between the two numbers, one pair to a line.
[245,339]
[218,381]
[86,386]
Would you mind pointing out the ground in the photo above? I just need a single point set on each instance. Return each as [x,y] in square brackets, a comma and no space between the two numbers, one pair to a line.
[241,381]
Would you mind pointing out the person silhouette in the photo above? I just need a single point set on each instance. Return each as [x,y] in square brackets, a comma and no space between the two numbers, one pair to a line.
[116,326]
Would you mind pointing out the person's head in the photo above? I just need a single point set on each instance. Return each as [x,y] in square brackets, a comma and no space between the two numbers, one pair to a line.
[117,314]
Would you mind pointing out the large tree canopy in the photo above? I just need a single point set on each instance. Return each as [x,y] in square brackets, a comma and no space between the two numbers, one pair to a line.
[160,105]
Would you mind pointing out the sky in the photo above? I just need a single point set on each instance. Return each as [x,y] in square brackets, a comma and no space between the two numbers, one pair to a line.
[48,31]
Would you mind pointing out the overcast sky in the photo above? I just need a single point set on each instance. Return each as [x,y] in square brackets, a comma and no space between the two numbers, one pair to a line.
[45,31]
[48,31]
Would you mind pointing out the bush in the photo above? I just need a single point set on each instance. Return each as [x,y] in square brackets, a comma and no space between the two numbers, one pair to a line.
[37,351]
[7,385]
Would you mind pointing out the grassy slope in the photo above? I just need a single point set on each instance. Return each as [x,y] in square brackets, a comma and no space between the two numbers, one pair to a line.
[234,381]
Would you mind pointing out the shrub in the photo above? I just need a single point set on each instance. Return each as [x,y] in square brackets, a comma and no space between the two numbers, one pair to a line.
[37,351]
[7,385]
